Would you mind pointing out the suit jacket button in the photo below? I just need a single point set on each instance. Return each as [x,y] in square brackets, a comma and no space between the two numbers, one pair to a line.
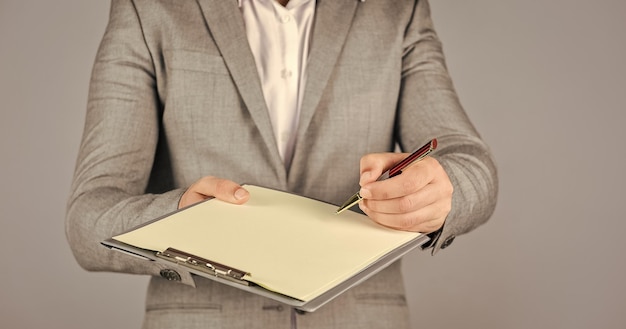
[447,242]
[170,275]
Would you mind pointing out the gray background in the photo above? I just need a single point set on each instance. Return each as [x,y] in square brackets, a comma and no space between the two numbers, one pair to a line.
[544,81]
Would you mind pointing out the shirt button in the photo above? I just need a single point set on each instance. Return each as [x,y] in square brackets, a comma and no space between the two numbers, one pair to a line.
[286,19]
[285,74]
[170,275]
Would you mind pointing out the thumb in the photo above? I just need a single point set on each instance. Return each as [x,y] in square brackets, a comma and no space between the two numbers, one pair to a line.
[218,188]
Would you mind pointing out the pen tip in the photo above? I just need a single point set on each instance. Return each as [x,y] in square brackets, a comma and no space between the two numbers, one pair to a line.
[351,202]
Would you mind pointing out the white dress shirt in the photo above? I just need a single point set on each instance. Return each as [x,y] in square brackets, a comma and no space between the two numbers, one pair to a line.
[279,39]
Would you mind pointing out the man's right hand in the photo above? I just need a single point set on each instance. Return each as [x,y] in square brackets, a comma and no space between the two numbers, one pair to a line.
[219,188]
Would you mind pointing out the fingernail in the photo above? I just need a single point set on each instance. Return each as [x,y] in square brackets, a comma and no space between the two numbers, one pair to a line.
[240,194]
[365,193]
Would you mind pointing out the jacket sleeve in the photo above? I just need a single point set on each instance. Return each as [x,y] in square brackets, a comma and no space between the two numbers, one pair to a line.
[108,193]
[429,107]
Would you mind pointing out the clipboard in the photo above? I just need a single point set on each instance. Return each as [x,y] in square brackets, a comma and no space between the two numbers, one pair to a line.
[289,248]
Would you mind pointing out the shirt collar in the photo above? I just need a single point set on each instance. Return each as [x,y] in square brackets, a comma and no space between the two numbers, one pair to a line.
[291,4]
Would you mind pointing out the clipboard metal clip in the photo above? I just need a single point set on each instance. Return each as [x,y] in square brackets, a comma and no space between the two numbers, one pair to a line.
[204,265]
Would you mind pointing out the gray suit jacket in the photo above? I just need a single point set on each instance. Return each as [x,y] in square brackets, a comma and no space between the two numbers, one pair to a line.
[175,96]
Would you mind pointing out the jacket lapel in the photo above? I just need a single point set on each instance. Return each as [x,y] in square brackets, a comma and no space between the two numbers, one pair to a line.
[227,28]
[333,19]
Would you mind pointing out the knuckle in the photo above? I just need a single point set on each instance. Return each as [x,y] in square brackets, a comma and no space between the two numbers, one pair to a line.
[213,186]
[384,195]
[221,186]
[406,222]
[408,185]
[367,160]
[364,159]
[373,161]
[405,204]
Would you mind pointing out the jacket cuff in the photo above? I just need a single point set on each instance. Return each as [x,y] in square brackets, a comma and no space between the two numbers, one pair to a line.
[439,239]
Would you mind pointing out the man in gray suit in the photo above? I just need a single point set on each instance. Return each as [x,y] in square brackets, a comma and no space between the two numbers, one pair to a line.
[189,98]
